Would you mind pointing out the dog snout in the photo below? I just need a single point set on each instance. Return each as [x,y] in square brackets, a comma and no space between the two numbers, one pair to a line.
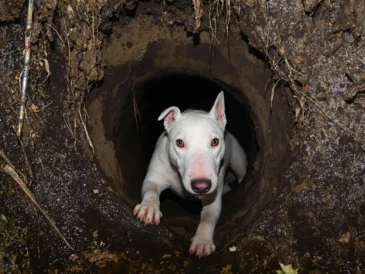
[201,186]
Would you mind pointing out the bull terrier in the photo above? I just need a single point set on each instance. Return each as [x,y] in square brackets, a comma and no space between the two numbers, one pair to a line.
[191,158]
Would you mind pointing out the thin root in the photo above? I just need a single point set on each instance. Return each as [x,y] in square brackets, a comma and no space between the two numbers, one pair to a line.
[86,133]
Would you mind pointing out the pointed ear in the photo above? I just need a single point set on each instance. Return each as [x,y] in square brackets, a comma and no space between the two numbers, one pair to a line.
[170,115]
[218,110]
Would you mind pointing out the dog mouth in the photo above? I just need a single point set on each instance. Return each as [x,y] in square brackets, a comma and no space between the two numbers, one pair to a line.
[199,195]
[190,193]
[194,196]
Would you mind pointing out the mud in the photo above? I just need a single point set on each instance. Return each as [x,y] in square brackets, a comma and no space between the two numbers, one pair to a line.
[303,202]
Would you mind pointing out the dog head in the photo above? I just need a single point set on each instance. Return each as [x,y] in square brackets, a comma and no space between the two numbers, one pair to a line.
[196,145]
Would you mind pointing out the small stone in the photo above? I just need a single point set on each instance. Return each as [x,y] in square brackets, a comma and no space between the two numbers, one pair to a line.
[232,248]
[345,238]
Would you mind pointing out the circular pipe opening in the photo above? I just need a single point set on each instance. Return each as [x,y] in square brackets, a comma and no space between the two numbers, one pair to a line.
[124,127]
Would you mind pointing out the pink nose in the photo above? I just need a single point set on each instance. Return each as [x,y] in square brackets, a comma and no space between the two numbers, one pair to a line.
[201,186]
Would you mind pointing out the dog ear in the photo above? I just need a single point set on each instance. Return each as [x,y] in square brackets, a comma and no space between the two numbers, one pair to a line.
[170,115]
[218,110]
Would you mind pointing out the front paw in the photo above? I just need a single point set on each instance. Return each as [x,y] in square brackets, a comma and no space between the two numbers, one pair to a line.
[202,247]
[148,213]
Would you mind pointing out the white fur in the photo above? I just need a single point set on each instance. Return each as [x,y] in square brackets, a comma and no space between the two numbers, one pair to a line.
[175,167]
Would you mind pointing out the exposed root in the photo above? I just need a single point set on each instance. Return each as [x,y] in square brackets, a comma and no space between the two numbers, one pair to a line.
[25,73]
[352,93]
[273,92]
[197,14]
[213,26]
[67,123]
[26,162]
[79,75]
[216,8]
[228,16]
[86,133]
[284,71]
[302,97]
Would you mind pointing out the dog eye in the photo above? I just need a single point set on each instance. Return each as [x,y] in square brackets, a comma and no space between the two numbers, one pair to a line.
[180,143]
[215,142]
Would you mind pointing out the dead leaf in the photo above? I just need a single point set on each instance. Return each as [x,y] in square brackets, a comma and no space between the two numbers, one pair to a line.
[34,108]
[95,234]
[306,186]
[34,135]
[286,269]
[297,112]
[96,191]
[76,269]
[73,257]
[166,257]
[305,89]
[227,269]
[101,257]
[46,67]
[110,189]
[298,59]
[345,238]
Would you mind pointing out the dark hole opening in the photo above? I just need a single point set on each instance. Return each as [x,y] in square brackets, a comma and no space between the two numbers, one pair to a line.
[154,95]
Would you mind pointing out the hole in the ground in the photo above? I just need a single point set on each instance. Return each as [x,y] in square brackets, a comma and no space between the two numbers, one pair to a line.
[172,71]
[135,141]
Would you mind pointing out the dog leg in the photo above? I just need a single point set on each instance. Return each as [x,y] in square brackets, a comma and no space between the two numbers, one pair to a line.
[202,243]
[148,211]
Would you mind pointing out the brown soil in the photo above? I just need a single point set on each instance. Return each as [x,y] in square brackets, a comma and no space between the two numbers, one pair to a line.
[303,200]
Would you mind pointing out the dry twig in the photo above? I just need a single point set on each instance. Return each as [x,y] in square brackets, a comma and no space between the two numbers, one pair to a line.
[86,133]
[26,161]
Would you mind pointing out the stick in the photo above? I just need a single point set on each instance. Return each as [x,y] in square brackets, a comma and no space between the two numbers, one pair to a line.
[26,161]
[25,74]
[86,133]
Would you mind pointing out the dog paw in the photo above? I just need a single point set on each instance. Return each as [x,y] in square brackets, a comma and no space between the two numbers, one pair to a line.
[201,247]
[147,213]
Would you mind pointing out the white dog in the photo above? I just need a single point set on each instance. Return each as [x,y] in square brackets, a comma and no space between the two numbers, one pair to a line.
[192,156]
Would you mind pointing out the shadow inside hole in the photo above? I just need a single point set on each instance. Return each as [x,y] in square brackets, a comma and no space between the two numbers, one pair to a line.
[186,92]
